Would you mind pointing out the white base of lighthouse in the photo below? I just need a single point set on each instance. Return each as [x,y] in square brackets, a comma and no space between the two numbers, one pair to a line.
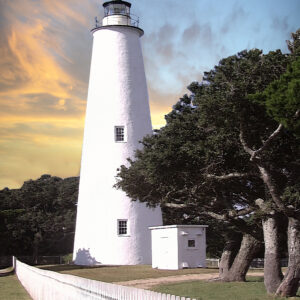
[98,242]
[110,228]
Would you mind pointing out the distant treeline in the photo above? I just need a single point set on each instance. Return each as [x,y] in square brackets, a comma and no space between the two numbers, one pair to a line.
[39,218]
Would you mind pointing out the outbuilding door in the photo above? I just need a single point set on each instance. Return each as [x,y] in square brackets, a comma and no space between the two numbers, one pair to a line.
[165,253]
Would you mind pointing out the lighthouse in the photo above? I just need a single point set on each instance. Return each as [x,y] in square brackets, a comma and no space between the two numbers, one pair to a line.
[110,228]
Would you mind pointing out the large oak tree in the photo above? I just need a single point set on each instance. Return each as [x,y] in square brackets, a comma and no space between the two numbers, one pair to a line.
[222,153]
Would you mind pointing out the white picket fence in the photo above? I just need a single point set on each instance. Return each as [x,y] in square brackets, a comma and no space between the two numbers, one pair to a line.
[48,285]
[212,262]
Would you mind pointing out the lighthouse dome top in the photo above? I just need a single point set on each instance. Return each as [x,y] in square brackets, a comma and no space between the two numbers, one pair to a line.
[115,2]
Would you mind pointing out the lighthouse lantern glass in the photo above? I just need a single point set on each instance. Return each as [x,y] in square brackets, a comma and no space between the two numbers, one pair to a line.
[116,9]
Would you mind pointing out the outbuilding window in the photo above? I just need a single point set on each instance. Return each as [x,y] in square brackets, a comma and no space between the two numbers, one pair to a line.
[191,243]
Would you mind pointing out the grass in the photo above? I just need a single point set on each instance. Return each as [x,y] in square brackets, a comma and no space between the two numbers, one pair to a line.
[202,290]
[11,289]
[121,273]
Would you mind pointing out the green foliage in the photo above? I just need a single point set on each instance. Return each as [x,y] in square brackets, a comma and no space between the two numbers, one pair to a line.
[294,43]
[67,259]
[38,218]
[282,98]
[291,196]
[202,137]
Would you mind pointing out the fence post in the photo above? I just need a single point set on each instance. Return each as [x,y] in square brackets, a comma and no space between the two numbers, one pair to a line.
[14,263]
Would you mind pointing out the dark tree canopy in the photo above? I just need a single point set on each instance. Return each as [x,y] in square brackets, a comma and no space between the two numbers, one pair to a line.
[184,162]
[39,218]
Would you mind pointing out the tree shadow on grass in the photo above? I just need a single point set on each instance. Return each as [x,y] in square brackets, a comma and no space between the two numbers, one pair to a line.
[61,268]
[261,279]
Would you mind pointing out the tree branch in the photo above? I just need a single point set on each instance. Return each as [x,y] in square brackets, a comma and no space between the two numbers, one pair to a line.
[240,213]
[244,143]
[175,205]
[266,177]
[255,153]
[229,176]
[268,141]
[214,215]
[274,135]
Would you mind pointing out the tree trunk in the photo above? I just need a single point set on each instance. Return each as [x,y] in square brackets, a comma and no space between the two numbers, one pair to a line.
[272,269]
[36,243]
[290,283]
[249,248]
[227,258]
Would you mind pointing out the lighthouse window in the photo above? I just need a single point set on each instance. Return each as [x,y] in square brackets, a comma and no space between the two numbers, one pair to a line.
[122,227]
[119,133]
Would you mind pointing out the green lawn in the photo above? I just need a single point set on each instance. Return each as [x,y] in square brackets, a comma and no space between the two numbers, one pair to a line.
[11,289]
[252,290]
[121,273]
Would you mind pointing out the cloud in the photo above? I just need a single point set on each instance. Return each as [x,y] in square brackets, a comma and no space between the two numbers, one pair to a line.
[280,23]
[199,37]
[162,43]
[37,68]
[24,160]
[36,49]
[231,21]
[41,70]
[196,33]
[40,131]
[44,59]
[32,148]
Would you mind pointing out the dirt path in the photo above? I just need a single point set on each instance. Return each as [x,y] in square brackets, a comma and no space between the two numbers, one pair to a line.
[150,282]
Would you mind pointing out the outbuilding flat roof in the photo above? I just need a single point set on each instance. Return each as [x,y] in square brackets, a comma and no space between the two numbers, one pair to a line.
[178,226]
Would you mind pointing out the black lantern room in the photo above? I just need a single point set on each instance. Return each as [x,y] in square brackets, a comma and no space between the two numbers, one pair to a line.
[117,7]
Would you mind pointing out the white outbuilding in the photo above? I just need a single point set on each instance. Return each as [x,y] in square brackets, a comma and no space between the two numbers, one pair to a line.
[176,247]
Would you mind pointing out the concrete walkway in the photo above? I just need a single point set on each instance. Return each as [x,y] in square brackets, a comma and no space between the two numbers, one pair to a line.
[150,282]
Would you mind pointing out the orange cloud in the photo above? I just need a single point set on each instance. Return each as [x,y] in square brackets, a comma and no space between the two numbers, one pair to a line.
[39,71]
[42,101]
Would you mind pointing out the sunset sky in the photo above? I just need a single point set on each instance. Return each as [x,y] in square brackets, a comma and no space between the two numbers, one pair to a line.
[45,49]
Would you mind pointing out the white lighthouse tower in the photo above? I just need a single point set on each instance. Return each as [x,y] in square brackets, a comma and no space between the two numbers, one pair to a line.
[110,228]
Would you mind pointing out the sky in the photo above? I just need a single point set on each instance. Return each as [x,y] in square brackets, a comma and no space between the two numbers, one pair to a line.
[45,52]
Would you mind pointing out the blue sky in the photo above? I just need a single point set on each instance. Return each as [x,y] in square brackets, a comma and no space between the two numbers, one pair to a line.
[45,51]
